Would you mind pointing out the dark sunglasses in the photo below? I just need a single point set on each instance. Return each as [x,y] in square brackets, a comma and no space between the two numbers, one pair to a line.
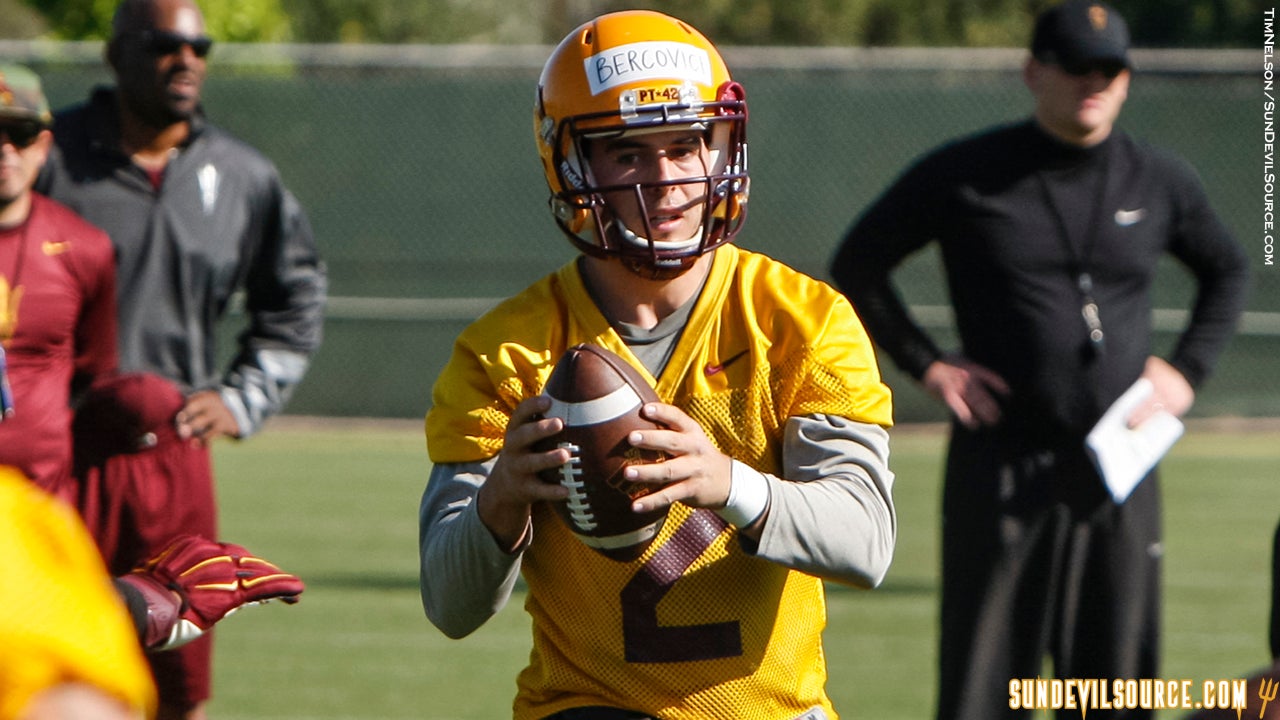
[20,134]
[163,42]
[1109,70]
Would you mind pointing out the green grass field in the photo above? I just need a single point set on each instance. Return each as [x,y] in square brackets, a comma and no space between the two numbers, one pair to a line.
[337,504]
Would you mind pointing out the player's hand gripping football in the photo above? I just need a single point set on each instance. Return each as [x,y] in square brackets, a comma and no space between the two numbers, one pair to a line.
[195,582]
[695,472]
[505,501]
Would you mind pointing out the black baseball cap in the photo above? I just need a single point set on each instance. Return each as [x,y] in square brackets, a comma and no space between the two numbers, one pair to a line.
[1080,35]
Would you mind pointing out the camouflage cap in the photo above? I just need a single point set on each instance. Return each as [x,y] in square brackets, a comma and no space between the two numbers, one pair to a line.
[21,97]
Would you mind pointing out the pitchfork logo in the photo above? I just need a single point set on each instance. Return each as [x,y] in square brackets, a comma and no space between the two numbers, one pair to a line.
[1266,693]
[10,298]
[208,180]
[1098,17]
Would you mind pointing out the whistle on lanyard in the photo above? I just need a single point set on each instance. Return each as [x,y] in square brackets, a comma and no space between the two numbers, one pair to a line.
[1089,310]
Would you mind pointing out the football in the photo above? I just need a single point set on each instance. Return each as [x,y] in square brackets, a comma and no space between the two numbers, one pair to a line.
[599,395]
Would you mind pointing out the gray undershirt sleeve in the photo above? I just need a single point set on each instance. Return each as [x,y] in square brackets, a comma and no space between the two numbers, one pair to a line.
[465,577]
[833,517]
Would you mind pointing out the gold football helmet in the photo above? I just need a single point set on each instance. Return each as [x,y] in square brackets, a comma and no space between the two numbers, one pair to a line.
[639,71]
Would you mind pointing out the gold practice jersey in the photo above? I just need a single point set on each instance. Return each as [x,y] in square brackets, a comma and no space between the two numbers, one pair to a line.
[63,622]
[696,627]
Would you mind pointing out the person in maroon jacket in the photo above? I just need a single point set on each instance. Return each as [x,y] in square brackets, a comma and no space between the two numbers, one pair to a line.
[57,296]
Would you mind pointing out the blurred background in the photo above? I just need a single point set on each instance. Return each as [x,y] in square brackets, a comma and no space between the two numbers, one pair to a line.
[933,23]
[405,128]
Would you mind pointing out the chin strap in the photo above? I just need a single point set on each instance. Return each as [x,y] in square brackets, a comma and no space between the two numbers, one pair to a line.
[649,271]
[644,242]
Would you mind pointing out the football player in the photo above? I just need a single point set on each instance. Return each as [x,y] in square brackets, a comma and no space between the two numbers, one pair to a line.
[773,412]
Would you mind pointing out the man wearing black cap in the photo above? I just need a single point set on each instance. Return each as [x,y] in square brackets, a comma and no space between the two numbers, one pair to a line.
[1050,231]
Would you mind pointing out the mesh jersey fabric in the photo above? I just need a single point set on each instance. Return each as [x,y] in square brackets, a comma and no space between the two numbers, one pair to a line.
[696,627]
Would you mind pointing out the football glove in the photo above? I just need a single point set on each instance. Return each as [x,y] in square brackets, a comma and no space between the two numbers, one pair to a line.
[195,582]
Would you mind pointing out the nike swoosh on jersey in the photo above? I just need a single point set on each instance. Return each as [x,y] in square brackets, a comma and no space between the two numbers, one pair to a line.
[1125,218]
[713,369]
[55,248]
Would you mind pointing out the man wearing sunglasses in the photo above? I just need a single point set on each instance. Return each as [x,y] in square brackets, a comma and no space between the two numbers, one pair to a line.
[57,296]
[195,216]
[1050,231]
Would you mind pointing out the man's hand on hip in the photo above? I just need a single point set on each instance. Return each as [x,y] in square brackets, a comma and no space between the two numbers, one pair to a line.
[205,417]
[970,391]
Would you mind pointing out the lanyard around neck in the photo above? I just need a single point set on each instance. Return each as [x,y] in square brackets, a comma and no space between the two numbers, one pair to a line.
[1081,257]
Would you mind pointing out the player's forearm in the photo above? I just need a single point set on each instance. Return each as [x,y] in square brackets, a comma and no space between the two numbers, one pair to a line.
[833,516]
[465,577]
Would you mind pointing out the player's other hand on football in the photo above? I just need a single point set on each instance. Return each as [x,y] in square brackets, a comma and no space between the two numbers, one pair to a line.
[695,472]
[505,500]
[205,418]
[970,391]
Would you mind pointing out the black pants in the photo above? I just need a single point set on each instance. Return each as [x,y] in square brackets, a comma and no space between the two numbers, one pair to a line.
[1037,560]
[1275,596]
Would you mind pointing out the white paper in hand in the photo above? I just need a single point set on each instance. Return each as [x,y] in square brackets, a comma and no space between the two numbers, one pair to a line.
[1125,455]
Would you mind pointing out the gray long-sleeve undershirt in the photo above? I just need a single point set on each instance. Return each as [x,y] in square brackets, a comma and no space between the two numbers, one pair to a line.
[832,517]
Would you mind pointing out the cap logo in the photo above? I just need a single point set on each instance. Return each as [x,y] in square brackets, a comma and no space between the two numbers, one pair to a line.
[636,62]
[1098,17]
[6,94]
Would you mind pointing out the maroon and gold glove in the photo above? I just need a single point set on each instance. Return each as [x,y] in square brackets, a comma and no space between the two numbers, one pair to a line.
[195,582]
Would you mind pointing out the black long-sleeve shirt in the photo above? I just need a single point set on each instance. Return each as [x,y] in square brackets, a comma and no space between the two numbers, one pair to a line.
[1020,218]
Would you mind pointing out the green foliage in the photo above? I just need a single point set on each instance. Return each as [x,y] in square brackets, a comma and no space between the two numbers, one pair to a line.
[406,21]
[1195,23]
[76,19]
[959,23]
[246,20]
[226,20]
[765,22]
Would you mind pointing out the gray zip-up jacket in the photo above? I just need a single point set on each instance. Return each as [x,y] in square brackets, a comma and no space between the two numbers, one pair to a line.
[221,221]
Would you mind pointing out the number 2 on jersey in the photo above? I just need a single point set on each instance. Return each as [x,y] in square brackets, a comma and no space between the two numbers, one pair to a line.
[644,640]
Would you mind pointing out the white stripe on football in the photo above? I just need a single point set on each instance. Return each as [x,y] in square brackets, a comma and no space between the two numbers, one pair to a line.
[593,412]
